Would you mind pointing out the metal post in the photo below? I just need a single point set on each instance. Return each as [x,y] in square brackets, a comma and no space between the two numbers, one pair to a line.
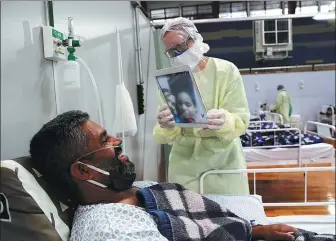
[306,186]
[318,6]
[138,45]
[283,7]
[248,9]
[299,150]
[215,9]
[254,183]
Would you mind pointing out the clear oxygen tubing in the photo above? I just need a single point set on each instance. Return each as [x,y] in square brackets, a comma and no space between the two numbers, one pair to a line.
[95,89]
[121,80]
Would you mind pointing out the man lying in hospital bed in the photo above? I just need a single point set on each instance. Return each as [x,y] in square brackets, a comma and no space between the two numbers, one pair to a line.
[78,155]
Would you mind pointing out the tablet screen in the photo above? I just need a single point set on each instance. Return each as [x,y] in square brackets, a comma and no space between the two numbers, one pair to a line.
[182,97]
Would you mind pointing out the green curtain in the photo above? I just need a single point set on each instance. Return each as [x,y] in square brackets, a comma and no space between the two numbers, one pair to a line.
[161,59]
[161,63]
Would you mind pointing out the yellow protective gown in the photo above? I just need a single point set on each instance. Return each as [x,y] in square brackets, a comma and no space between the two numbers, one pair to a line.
[282,105]
[196,151]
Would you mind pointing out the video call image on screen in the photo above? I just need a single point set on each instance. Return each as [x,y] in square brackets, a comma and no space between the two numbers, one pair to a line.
[181,97]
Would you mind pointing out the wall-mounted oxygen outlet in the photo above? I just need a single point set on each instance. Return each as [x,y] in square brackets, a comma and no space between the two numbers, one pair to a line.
[51,42]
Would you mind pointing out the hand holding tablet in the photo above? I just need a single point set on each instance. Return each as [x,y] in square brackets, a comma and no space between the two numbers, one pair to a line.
[165,118]
[216,119]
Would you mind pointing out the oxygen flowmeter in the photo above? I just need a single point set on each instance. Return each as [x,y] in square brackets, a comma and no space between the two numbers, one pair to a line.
[59,48]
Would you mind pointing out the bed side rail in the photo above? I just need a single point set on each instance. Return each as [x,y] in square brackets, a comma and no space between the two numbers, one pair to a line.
[274,138]
[275,170]
[259,122]
[274,132]
[323,130]
[277,118]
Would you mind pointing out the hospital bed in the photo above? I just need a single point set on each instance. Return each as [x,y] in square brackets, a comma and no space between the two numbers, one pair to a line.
[327,115]
[288,154]
[268,116]
[251,207]
[295,120]
[54,215]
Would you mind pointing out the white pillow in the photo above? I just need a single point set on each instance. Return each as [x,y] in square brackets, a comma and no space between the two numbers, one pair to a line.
[42,199]
[248,207]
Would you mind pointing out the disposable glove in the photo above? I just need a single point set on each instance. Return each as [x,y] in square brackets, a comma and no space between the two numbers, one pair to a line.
[216,119]
[165,118]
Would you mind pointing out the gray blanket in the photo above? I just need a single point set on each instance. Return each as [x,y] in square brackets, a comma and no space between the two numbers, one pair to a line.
[183,215]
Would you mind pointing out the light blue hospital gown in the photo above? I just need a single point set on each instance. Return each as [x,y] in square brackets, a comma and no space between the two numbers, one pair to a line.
[115,222]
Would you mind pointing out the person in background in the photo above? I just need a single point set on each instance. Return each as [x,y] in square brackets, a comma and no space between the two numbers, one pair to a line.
[283,104]
[216,146]
[171,100]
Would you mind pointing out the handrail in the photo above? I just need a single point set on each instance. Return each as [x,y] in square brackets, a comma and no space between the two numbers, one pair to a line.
[317,124]
[274,170]
[288,67]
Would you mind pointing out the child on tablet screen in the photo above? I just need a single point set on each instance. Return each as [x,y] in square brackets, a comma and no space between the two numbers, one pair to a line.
[186,107]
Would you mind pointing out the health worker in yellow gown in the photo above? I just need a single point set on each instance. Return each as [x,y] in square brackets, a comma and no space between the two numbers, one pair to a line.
[283,104]
[217,146]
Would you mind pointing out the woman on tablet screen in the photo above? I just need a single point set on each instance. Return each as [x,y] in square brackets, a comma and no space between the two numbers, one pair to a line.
[217,146]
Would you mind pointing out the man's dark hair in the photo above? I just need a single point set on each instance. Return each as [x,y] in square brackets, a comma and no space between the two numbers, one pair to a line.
[57,145]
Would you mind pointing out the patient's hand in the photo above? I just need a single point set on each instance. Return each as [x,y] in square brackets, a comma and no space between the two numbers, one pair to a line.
[274,232]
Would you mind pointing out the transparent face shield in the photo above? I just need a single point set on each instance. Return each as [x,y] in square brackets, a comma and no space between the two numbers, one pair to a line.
[178,49]
[109,167]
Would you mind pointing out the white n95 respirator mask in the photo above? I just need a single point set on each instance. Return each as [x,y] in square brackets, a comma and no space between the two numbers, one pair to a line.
[192,56]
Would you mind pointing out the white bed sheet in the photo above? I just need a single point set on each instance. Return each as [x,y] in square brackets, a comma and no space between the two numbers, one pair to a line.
[316,153]
[322,224]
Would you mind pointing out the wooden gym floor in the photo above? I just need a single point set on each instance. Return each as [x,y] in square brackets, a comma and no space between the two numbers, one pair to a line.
[289,187]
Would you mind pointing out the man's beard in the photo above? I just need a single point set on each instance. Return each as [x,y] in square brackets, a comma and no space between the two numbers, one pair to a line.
[122,177]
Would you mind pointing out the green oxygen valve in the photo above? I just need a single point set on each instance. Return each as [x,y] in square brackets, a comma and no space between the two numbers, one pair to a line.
[71,56]
[75,43]
[71,49]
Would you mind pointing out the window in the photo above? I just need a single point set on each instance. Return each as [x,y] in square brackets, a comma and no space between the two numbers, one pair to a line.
[238,10]
[189,11]
[158,14]
[172,12]
[276,31]
[224,10]
[204,9]
[257,8]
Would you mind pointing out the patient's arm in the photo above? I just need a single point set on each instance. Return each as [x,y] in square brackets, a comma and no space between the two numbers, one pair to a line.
[273,232]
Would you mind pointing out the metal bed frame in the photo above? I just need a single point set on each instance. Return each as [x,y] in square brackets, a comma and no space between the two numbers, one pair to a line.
[322,131]
[277,118]
[305,169]
[333,117]
[276,170]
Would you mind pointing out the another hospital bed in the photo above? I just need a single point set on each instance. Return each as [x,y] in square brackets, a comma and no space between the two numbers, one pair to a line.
[287,146]
[268,116]
[245,205]
[327,115]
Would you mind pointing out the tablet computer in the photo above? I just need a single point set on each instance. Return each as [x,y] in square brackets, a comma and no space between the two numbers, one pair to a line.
[182,96]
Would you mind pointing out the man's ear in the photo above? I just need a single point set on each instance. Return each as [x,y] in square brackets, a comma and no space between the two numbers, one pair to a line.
[80,171]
